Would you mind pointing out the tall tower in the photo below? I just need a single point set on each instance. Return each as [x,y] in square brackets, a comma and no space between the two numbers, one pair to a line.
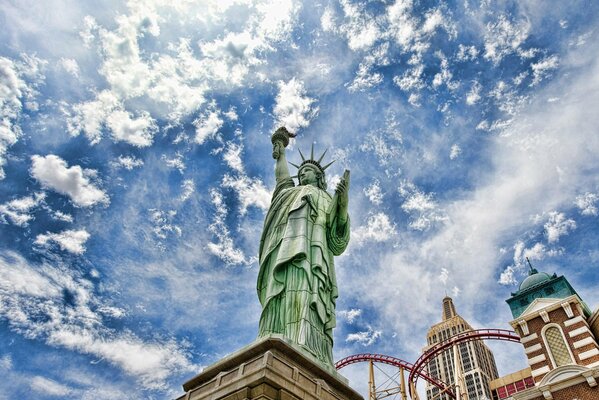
[559,335]
[476,364]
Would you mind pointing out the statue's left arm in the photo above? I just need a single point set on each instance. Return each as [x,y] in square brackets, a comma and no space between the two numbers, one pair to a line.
[342,191]
[338,232]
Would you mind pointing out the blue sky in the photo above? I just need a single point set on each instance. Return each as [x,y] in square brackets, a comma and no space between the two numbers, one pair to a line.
[136,169]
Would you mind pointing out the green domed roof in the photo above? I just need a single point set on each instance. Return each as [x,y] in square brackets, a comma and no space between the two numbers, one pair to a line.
[534,279]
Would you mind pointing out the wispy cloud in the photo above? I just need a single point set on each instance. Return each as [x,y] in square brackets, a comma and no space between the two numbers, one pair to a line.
[18,211]
[365,338]
[32,304]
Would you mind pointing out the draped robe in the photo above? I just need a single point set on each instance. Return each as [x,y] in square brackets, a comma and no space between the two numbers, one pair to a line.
[296,283]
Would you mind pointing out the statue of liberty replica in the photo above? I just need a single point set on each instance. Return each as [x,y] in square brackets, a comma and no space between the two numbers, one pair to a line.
[292,359]
[305,228]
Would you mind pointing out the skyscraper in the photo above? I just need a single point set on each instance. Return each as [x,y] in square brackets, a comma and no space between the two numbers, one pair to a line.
[476,367]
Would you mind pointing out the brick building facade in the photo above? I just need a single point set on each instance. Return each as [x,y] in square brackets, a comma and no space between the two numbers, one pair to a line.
[559,335]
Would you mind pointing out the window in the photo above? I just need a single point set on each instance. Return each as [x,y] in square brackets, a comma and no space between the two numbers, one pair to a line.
[557,346]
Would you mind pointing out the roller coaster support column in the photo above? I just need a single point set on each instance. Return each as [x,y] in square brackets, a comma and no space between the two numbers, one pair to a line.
[402,387]
[460,389]
[413,391]
[371,385]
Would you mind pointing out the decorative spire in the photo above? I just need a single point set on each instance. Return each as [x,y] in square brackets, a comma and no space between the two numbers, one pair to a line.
[532,269]
[448,308]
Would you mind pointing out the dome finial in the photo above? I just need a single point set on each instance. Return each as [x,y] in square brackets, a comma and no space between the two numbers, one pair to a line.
[532,270]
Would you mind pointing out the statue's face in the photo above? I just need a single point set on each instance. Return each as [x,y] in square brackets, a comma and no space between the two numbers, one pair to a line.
[308,176]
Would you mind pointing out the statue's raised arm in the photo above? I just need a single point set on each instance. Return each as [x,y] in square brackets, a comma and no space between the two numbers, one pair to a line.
[305,228]
[280,140]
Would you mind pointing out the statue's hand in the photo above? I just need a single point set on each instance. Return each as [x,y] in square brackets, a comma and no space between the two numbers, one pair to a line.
[277,149]
[342,190]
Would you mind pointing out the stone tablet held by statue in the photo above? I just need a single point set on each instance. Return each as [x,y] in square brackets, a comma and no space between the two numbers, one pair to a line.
[305,228]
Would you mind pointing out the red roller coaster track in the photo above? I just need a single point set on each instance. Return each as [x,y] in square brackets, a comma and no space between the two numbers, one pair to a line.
[416,369]
[479,334]
[381,358]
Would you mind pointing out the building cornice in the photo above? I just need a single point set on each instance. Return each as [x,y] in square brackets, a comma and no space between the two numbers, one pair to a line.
[555,304]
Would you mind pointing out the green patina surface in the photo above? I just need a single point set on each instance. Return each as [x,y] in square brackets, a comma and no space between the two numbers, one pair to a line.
[305,228]
[541,285]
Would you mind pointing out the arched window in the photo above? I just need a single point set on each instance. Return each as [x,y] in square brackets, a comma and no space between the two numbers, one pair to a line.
[557,346]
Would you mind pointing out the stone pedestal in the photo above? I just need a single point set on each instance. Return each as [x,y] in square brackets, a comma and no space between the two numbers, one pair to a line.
[268,369]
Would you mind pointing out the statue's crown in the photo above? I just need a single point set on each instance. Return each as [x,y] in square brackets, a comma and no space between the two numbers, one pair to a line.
[312,161]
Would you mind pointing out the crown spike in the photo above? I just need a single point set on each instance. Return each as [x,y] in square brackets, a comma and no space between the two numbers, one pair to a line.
[328,165]
[322,156]
[312,152]
[295,165]
[301,154]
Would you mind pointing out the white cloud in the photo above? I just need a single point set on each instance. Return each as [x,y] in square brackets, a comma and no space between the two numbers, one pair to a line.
[49,387]
[455,291]
[70,65]
[540,162]
[365,78]
[374,193]
[53,173]
[224,248]
[293,109]
[412,79]
[365,338]
[542,68]
[558,225]
[152,363]
[60,216]
[473,95]
[188,187]
[386,145]
[31,300]
[18,211]
[163,223]
[586,203]
[504,37]
[12,93]
[467,53]
[444,76]
[444,275]
[537,252]
[173,79]
[507,277]
[378,228]
[251,192]
[507,99]
[128,162]
[422,208]
[106,111]
[232,156]
[349,315]
[207,126]
[6,362]
[360,29]
[136,131]
[414,99]
[177,162]
[69,240]
[455,151]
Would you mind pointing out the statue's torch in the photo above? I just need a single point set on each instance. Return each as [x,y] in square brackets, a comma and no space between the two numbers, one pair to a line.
[282,136]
